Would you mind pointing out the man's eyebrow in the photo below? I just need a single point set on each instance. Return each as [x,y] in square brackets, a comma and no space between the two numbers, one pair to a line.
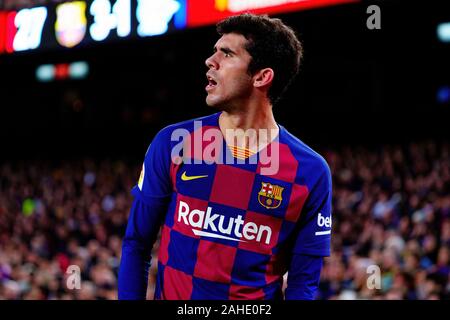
[224,50]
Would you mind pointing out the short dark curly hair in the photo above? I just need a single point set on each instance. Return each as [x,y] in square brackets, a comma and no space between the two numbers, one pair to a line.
[271,44]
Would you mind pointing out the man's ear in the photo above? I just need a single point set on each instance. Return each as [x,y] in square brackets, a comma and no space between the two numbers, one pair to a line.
[263,77]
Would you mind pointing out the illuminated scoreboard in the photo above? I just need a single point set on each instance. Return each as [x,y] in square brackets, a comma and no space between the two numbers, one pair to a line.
[72,23]
[76,23]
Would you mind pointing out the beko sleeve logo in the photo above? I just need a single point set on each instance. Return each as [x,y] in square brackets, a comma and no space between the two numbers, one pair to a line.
[323,222]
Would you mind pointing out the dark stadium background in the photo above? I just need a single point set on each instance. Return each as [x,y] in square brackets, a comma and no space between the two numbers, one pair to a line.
[358,88]
[356,85]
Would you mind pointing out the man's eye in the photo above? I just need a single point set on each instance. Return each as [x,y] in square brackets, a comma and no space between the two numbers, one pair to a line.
[227,54]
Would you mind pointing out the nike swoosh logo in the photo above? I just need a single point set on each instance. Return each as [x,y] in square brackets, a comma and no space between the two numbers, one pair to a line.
[184,177]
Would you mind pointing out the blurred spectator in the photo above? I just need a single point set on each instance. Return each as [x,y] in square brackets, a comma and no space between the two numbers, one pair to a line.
[74,214]
[391,208]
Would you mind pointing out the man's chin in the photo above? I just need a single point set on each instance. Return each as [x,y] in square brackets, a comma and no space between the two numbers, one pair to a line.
[213,104]
[219,105]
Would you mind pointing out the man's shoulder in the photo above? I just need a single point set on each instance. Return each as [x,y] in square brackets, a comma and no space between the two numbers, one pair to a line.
[304,154]
[167,138]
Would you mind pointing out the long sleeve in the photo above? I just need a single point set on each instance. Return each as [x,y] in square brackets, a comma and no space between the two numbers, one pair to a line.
[313,239]
[315,223]
[303,277]
[142,229]
[151,199]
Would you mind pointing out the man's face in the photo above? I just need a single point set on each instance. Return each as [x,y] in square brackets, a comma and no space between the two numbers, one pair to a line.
[229,83]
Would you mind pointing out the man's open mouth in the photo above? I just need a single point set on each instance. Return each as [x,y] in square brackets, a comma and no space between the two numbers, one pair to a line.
[211,83]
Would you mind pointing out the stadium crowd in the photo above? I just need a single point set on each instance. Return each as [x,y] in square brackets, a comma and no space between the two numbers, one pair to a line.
[391,209]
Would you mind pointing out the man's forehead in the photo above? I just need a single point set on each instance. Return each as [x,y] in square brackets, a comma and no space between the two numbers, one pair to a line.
[233,41]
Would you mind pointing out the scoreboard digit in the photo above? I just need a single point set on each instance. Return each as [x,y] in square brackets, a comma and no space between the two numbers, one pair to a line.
[29,24]
[106,18]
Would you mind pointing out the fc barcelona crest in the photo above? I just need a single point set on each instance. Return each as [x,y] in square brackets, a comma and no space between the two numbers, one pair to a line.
[70,23]
[270,195]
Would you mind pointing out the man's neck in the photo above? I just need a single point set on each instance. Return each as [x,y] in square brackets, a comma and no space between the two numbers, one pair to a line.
[238,126]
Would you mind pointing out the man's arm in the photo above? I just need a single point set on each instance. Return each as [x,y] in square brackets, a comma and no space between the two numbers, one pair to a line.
[303,277]
[151,198]
[313,240]
[142,229]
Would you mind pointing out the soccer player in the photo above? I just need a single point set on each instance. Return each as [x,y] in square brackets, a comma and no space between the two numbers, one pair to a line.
[232,229]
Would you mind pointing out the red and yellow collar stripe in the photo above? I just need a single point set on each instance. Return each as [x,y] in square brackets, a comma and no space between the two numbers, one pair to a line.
[241,153]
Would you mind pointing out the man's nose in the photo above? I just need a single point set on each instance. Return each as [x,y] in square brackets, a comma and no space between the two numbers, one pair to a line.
[211,63]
